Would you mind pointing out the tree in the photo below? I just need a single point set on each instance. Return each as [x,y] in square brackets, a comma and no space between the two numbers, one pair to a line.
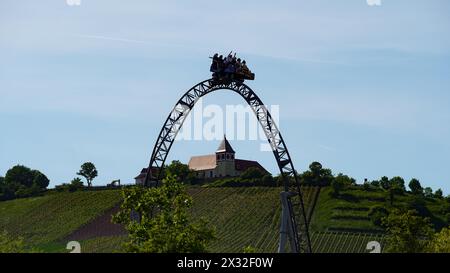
[385,183]
[416,187]
[19,175]
[337,185]
[393,186]
[315,168]
[407,232]
[164,224]
[398,183]
[345,179]
[440,242]
[316,175]
[181,171]
[21,181]
[439,194]
[375,183]
[393,190]
[428,192]
[40,180]
[6,193]
[89,172]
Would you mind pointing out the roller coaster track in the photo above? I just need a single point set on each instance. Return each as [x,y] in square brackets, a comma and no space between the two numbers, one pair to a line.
[175,120]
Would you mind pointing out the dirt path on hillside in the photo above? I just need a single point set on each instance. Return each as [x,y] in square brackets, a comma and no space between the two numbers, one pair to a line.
[99,227]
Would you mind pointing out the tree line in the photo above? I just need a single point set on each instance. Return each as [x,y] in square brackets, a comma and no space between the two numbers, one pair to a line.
[21,181]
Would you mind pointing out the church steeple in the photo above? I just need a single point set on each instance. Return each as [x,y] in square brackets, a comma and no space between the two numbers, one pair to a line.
[225,146]
[225,151]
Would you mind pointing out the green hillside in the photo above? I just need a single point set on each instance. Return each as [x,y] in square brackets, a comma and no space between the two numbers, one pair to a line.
[349,211]
[44,220]
[243,216]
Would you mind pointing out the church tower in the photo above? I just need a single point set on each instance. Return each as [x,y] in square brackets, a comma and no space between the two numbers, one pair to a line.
[225,159]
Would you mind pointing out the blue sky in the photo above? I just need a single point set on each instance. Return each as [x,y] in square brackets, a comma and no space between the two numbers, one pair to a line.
[362,89]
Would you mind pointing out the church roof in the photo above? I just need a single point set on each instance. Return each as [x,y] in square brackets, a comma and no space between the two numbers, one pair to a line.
[208,162]
[242,165]
[202,162]
[225,146]
[144,172]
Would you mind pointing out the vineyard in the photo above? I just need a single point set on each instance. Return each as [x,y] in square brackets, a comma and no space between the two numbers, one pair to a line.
[42,220]
[251,217]
[248,216]
[334,242]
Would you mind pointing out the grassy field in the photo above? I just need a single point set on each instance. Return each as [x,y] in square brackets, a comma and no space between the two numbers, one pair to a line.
[241,216]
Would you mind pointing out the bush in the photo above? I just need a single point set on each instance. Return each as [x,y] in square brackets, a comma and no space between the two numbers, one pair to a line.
[444,208]
[418,204]
[439,194]
[447,217]
[23,191]
[252,173]
[367,186]
[9,244]
[440,242]
[376,214]
[75,185]
[267,180]
[181,171]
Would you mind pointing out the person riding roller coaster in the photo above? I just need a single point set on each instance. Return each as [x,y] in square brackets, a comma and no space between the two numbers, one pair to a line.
[230,69]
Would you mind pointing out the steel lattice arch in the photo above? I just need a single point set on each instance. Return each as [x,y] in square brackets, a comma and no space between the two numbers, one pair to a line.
[298,226]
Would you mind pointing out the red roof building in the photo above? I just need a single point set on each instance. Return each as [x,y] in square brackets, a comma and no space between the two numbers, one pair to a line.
[221,164]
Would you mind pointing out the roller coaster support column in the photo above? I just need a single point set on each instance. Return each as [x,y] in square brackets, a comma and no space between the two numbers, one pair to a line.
[286,231]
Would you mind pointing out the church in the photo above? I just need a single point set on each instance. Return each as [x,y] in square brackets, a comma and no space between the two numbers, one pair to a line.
[220,164]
